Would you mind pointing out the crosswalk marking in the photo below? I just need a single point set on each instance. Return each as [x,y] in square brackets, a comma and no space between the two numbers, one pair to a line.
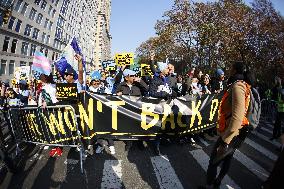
[261,149]
[112,174]
[277,144]
[267,130]
[251,165]
[203,142]
[203,160]
[165,174]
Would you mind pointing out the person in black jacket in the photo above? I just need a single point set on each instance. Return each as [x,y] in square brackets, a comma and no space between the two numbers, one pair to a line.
[131,85]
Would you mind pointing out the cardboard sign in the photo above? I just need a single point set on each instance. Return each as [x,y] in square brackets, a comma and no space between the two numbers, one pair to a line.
[124,59]
[107,63]
[22,73]
[66,91]
[146,70]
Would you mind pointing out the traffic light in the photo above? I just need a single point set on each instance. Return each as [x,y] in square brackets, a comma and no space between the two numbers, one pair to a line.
[6,16]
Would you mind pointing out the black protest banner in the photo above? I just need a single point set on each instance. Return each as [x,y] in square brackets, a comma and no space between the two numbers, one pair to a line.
[138,117]
[120,117]
[66,91]
[50,126]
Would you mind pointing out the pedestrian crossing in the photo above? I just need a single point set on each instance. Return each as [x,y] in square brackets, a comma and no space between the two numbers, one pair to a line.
[167,176]
[179,167]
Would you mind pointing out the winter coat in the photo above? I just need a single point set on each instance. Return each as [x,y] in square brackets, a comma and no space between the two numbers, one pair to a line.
[137,88]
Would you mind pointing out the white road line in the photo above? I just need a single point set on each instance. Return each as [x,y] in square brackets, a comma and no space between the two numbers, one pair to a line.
[165,173]
[271,126]
[267,130]
[261,149]
[277,144]
[203,159]
[251,165]
[203,142]
[112,174]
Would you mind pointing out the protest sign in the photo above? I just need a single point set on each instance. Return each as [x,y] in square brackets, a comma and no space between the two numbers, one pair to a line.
[124,59]
[66,91]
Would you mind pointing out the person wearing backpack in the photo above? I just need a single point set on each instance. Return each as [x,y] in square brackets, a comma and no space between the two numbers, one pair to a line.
[279,97]
[233,124]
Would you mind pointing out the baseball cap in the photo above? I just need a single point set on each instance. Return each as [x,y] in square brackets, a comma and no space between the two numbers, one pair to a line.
[128,72]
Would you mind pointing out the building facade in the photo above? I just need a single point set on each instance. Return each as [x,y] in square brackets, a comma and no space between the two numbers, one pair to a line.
[48,26]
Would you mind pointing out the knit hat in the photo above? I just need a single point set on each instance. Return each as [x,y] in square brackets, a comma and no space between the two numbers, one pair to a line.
[162,66]
[219,72]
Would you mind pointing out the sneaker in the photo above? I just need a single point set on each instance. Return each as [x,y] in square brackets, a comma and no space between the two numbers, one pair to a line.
[99,149]
[52,152]
[112,150]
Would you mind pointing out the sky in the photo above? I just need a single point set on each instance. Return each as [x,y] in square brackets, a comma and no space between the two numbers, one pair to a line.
[132,21]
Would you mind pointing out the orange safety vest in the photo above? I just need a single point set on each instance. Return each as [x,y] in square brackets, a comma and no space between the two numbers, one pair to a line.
[221,116]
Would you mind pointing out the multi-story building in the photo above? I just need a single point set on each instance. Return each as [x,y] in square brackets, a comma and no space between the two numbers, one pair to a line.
[103,37]
[48,26]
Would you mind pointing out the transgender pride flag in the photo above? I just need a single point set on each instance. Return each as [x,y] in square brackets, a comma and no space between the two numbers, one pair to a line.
[41,64]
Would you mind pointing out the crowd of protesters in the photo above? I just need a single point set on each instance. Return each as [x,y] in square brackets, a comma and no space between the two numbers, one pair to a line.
[162,83]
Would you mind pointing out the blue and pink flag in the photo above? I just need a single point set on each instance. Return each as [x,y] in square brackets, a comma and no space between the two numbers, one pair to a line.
[41,64]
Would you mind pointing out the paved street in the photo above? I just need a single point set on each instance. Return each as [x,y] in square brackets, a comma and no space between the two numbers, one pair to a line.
[181,166]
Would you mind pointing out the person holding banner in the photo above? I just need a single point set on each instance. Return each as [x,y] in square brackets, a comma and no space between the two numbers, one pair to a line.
[96,84]
[232,123]
[133,86]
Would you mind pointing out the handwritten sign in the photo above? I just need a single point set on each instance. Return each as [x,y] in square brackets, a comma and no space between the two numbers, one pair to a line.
[124,59]
[66,91]
[107,63]
[146,70]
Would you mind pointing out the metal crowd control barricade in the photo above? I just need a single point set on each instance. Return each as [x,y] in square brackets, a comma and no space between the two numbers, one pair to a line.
[53,126]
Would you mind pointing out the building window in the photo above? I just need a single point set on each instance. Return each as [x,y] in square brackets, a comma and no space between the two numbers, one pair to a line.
[11,67]
[53,13]
[60,22]
[37,2]
[14,45]
[43,37]
[58,33]
[28,30]
[3,67]
[46,23]
[33,49]
[23,63]
[50,25]
[39,18]
[18,5]
[6,44]
[35,33]
[24,49]
[50,10]
[18,26]
[43,5]
[32,14]
[11,22]
[47,39]
[24,9]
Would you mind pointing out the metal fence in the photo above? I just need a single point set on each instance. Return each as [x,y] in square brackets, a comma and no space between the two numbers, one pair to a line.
[53,126]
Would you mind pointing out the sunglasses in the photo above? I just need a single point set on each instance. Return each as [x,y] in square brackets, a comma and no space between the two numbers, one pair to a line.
[131,75]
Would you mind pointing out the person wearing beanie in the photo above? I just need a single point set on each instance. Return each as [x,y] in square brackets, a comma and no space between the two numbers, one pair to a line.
[218,83]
